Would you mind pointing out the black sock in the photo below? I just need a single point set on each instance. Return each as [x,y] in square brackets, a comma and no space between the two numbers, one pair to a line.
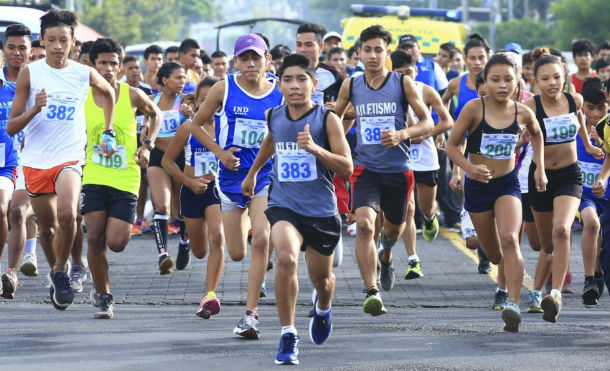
[183,233]
[160,229]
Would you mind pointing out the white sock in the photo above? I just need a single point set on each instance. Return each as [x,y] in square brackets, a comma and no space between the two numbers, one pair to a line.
[30,246]
[556,293]
[413,257]
[321,312]
[289,329]
[503,290]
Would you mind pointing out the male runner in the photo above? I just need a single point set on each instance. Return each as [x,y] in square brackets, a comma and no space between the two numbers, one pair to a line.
[188,54]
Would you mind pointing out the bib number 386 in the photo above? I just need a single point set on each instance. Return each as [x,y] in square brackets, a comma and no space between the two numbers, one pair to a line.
[371,127]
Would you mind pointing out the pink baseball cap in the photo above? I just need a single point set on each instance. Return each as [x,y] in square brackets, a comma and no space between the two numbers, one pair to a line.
[250,41]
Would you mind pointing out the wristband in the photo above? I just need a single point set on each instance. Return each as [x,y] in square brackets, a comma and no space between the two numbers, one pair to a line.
[110,143]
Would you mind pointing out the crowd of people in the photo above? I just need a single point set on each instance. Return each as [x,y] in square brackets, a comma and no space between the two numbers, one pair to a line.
[280,152]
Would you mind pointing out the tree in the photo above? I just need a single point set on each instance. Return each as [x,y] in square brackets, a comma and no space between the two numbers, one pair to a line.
[575,19]
[528,32]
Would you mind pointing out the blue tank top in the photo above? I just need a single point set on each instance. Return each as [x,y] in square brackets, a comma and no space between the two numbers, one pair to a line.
[172,119]
[241,124]
[589,166]
[426,73]
[200,158]
[377,110]
[299,181]
[465,95]
[9,157]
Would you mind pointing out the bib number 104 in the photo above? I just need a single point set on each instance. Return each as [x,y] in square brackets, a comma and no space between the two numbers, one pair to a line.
[251,138]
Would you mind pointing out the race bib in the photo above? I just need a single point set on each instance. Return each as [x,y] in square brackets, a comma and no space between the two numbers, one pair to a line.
[205,163]
[296,166]
[117,161]
[590,173]
[249,133]
[140,121]
[2,154]
[415,152]
[171,122]
[498,146]
[61,108]
[318,98]
[371,127]
[561,128]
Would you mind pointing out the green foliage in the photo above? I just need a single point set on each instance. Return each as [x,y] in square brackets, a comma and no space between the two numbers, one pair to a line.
[575,19]
[526,31]
[136,21]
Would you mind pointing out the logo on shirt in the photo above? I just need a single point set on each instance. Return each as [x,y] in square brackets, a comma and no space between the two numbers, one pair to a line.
[372,109]
[240,111]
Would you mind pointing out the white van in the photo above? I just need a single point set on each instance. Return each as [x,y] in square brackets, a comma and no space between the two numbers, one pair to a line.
[30,17]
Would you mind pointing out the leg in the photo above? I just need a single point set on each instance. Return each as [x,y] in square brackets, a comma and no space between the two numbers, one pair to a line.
[77,246]
[96,250]
[199,240]
[565,208]
[6,190]
[365,246]
[287,240]
[260,248]
[216,239]
[68,186]
[142,197]
[409,235]
[45,208]
[426,197]
[485,225]
[19,212]
[235,225]
[160,190]
[508,217]
[590,236]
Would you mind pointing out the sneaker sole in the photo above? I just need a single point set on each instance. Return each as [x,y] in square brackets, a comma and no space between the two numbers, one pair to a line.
[103,315]
[165,267]
[54,302]
[250,334]
[7,287]
[535,310]
[209,309]
[413,275]
[497,308]
[550,310]
[430,238]
[77,289]
[311,334]
[290,363]
[588,297]
[511,319]
[374,307]
[29,269]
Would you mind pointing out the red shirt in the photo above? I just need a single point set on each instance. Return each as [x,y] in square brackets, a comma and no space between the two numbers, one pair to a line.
[577,82]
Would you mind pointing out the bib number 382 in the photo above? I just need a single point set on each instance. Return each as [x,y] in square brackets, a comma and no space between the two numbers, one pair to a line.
[296,166]
[61,108]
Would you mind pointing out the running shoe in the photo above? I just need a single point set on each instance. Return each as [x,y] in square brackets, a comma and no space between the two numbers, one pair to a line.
[288,350]
[166,263]
[351,229]
[184,256]
[9,284]
[263,293]
[484,264]
[386,272]
[95,297]
[511,315]
[61,291]
[500,299]
[551,305]
[373,304]
[413,270]
[135,230]
[172,227]
[599,281]
[590,292]
[567,284]
[29,267]
[430,229]
[535,299]
[246,326]
[320,326]
[106,308]
[78,275]
[209,306]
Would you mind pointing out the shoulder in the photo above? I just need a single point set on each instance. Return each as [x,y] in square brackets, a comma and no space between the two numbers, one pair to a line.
[455,82]
[531,103]
[577,99]
[524,111]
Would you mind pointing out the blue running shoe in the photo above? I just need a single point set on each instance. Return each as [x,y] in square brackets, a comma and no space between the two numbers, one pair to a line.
[320,327]
[61,291]
[263,293]
[288,351]
[511,315]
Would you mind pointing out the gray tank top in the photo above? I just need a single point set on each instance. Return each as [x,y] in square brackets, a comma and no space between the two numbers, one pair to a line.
[377,110]
[299,181]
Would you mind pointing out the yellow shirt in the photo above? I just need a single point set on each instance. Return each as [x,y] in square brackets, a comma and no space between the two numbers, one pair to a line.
[603,131]
[119,171]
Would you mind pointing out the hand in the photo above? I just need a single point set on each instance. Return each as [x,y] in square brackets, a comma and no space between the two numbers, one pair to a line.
[187,110]
[248,185]
[540,179]
[144,132]
[595,152]
[390,138]
[455,183]
[108,145]
[41,100]
[143,156]
[350,113]
[351,218]
[198,185]
[526,136]
[330,105]
[229,160]
[599,189]
[480,173]
[440,142]
[305,141]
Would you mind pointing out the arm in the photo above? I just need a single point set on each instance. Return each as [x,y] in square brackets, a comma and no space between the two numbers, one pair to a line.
[599,188]
[342,103]
[535,137]
[153,114]
[583,132]
[434,101]
[338,159]
[451,91]
[176,146]
[102,87]
[19,117]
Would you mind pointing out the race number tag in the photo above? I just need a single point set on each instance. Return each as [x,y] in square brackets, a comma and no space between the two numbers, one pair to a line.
[318,98]
[2,154]
[561,128]
[205,163]
[498,146]
[296,166]
[61,108]
[140,121]
[371,127]
[590,173]
[117,161]
[171,122]
[249,133]
[415,152]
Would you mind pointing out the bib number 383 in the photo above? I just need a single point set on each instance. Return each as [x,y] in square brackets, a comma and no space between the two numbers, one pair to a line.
[296,166]
[249,133]
[371,127]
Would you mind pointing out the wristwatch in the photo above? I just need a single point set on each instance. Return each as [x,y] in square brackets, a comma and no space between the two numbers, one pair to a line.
[149,144]
[110,132]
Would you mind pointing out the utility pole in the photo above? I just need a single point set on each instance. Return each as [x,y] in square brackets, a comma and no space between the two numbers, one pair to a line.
[492,23]
[464,11]
[511,10]
[526,8]
[70,5]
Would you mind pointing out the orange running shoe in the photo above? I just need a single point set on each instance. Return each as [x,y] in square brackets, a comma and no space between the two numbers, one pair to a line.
[135,230]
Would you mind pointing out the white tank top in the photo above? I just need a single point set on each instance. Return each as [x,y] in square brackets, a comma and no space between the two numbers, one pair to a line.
[524,169]
[57,134]
[423,156]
